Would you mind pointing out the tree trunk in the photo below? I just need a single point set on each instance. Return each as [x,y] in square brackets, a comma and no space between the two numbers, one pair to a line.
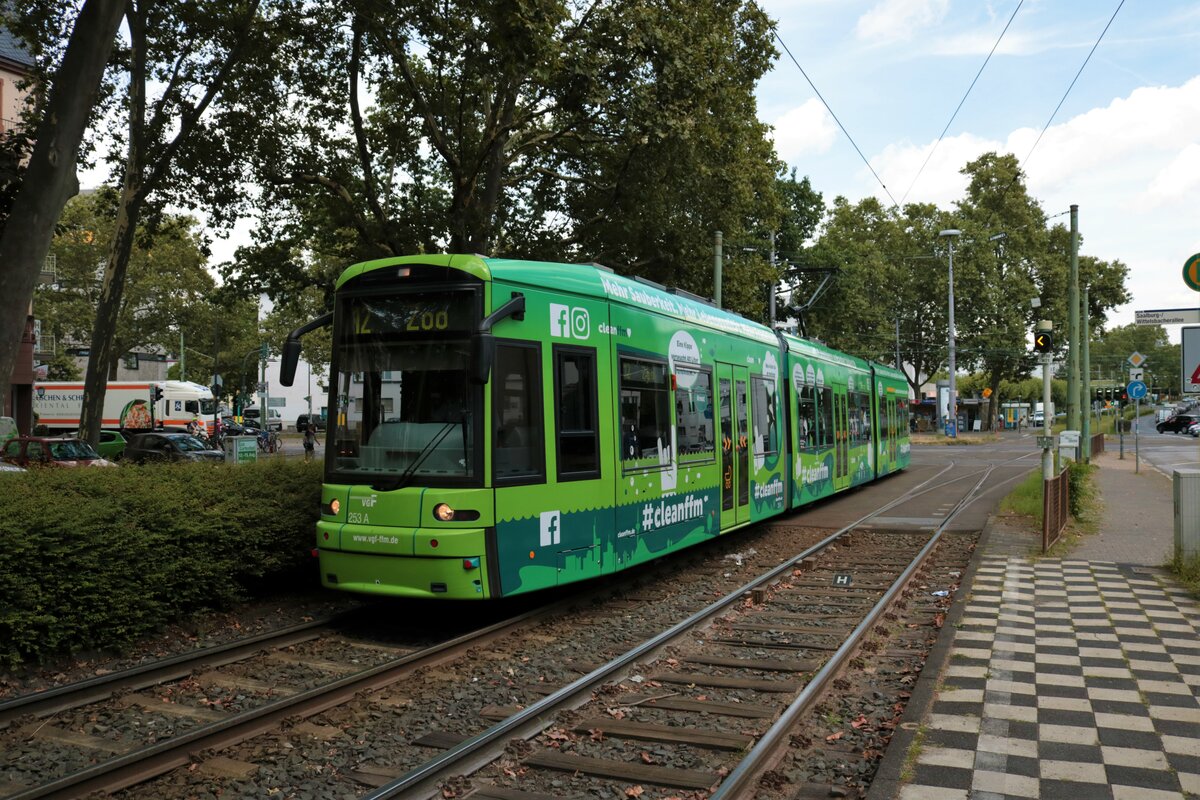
[102,359]
[50,179]
[103,354]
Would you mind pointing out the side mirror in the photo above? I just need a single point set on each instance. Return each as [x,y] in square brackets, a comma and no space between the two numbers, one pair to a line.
[291,357]
[483,352]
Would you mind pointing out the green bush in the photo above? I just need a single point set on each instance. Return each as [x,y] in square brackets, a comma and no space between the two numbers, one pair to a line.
[96,558]
[1082,495]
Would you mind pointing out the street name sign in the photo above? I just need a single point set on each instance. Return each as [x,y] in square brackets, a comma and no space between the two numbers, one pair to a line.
[1168,316]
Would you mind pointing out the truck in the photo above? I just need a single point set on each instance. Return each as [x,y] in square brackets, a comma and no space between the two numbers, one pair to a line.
[1039,414]
[58,405]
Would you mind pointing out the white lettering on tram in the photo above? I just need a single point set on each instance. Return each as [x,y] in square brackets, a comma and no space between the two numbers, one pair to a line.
[766,491]
[811,475]
[671,512]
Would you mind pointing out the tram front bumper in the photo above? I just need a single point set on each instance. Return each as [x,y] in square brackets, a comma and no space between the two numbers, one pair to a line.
[404,562]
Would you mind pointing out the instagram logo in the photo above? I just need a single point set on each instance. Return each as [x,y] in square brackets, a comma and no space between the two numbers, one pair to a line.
[569,323]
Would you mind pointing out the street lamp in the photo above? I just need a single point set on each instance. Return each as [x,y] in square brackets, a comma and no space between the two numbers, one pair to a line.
[952,404]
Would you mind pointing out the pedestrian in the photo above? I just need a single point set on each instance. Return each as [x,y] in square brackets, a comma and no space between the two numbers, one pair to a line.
[310,440]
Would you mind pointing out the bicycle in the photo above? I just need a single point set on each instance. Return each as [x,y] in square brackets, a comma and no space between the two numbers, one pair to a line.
[269,442]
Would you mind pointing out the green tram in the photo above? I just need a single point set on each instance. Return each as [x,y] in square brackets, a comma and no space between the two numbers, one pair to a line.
[502,426]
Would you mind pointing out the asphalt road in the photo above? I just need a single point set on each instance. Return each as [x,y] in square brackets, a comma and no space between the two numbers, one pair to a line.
[1162,451]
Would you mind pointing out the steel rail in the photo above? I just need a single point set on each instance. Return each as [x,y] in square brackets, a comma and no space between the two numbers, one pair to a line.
[737,783]
[72,695]
[474,752]
[145,763]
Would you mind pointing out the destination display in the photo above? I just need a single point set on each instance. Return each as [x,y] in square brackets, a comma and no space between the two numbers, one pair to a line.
[412,314]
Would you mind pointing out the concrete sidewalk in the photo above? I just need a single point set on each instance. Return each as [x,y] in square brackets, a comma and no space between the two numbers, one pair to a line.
[1063,678]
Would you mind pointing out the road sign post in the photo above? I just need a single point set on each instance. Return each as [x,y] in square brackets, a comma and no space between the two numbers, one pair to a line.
[1136,391]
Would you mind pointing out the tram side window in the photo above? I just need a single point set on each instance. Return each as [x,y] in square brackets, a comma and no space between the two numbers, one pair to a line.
[860,407]
[766,437]
[694,415]
[578,435]
[905,420]
[806,425]
[645,411]
[825,409]
[518,455]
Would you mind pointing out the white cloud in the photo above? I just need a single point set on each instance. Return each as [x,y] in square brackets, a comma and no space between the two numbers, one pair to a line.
[940,182]
[899,20]
[1133,167]
[804,131]
[1153,119]
[1176,180]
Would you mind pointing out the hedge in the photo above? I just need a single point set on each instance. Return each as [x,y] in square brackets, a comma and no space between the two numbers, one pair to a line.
[97,558]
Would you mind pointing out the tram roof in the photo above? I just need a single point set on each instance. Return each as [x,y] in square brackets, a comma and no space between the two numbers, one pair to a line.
[590,280]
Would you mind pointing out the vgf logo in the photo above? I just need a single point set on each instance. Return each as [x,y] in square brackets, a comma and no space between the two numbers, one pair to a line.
[569,323]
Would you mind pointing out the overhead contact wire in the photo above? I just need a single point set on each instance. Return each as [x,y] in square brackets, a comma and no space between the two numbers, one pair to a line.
[835,118]
[1072,86]
[960,102]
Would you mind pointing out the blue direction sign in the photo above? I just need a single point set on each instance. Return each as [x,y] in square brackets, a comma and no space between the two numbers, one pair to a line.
[1136,390]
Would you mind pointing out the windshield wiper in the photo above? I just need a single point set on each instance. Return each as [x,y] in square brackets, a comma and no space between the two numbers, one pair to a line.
[403,479]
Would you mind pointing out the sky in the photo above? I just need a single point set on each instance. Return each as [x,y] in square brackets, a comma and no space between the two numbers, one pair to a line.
[1124,146]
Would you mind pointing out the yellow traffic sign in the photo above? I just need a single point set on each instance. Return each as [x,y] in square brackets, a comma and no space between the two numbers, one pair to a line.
[1137,359]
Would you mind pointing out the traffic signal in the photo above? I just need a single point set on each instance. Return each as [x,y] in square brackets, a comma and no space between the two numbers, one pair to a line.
[156,393]
[1043,341]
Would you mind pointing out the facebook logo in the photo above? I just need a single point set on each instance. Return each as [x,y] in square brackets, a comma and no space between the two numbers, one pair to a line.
[569,323]
[551,528]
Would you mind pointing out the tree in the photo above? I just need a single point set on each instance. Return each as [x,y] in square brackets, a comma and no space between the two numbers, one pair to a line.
[1110,350]
[624,133]
[49,179]
[167,286]
[886,276]
[189,50]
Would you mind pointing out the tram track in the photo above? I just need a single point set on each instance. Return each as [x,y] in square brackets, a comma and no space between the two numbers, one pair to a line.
[596,692]
[181,684]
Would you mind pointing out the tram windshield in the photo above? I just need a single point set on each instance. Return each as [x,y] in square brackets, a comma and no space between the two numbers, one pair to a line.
[405,409]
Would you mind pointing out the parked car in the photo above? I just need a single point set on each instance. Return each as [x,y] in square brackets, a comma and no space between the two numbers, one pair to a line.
[149,447]
[244,428]
[112,444]
[302,421]
[1178,423]
[51,451]
[1037,418]
[274,421]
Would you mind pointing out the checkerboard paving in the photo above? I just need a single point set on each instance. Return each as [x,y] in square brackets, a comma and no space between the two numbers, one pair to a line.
[1066,679]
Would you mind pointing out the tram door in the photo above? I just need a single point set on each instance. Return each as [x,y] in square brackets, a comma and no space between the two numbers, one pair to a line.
[733,409]
[841,432]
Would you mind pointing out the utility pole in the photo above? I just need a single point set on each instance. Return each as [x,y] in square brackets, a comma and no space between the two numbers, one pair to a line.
[898,343]
[1073,327]
[1085,390]
[717,271]
[182,357]
[774,280]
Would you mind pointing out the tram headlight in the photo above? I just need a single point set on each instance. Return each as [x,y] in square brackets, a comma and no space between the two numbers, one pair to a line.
[334,507]
[443,512]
